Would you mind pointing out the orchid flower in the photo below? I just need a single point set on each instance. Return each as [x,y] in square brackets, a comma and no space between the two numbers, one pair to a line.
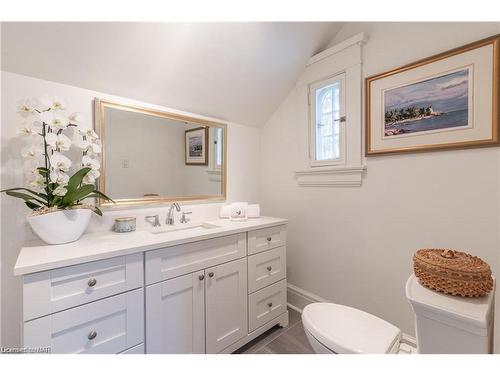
[52,102]
[91,177]
[75,118]
[58,142]
[88,133]
[59,177]
[60,191]
[27,107]
[88,162]
[60,162]
[47,169]
[32,152]
[55,120]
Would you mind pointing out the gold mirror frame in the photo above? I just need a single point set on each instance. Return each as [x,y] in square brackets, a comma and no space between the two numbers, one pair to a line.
[100,106]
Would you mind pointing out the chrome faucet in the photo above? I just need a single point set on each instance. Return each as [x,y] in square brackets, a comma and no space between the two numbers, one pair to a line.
[170,216]
[156,222]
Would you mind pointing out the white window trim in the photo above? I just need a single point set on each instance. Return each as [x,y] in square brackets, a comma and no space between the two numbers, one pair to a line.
[344,57]
[312,122]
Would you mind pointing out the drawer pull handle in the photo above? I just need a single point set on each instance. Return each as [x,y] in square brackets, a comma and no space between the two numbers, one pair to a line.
[269,268]
[270,304]
[269,239]
[92,335]
[210,274]
[92,282]
[201,277]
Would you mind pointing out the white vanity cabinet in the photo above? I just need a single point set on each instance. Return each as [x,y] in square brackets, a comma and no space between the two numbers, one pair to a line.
[94,307]
[196,295]
[201,312]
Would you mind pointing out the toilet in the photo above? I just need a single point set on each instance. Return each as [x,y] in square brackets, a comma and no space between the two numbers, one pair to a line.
[444,324]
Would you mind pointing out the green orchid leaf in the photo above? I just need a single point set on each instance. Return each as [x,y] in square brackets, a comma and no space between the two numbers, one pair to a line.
[41,195]
[97,211]
[24,197]
[75,180]
[32,205]
[57,200]
[98,194]
[72,197]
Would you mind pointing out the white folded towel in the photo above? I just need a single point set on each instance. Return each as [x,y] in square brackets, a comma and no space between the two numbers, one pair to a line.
[225,212]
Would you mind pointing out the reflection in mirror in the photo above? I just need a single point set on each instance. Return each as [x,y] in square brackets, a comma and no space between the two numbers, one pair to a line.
[156,156]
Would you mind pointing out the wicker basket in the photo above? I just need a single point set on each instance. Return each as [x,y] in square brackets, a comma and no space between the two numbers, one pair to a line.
[453,272]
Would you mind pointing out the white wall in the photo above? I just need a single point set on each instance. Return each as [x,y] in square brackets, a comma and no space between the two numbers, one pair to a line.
[243,179]
[354,246]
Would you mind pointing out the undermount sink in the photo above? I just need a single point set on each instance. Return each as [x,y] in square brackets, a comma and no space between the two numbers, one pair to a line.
[196,227]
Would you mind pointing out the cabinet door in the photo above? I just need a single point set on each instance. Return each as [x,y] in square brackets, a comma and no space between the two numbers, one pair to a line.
[226,304]
[175,316]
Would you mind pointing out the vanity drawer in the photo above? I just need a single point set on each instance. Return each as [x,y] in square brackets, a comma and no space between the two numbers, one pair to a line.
[266,304]
[108,326]
[266,239]
[266,268]
[170,262]
[62,288]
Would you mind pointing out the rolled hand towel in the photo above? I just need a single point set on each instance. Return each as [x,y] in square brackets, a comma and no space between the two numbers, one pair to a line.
[239,211]
[253,210]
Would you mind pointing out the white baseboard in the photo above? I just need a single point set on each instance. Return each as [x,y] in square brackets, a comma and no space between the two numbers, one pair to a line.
[410,340]
[298,298]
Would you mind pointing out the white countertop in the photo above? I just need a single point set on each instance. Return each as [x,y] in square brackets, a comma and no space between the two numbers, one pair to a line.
[102,245]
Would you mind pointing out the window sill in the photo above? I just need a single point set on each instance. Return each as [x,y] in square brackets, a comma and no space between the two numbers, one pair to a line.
[347,176]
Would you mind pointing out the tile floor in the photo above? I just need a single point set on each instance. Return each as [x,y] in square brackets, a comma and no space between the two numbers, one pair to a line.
[288,340]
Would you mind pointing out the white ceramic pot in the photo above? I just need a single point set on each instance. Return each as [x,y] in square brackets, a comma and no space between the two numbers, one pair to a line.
[61,226]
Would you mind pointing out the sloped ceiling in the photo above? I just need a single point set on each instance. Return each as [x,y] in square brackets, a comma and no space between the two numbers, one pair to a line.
[239,72]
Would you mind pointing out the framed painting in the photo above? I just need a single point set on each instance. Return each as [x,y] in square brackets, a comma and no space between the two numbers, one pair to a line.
[446,101]
[196,146]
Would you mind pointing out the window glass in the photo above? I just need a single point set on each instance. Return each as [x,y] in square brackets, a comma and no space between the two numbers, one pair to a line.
[327,126]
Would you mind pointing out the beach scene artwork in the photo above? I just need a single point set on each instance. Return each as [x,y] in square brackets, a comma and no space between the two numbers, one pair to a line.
[432,105]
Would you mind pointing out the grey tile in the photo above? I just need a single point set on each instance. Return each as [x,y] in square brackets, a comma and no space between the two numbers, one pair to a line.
[264,350]
[260,341]
[257,344]
[293,341]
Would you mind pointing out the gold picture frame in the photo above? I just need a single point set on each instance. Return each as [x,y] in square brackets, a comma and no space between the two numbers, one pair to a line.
[191,159]
[154,199]
[380,141]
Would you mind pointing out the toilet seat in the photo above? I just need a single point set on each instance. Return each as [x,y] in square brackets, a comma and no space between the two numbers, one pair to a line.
[346,330]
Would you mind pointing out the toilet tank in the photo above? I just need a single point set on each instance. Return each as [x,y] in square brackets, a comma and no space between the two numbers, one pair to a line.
[446,324]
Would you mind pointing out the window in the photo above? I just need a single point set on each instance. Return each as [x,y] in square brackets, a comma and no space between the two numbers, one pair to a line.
[330,110]
[327,111]
[218,148]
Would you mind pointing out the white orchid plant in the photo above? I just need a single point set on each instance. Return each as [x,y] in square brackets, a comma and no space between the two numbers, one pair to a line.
[46,131]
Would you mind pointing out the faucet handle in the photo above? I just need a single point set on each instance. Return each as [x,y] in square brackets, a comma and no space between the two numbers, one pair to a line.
[185,219]
[156,218]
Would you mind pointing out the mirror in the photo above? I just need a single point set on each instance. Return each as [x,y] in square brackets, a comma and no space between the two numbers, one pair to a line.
[151,156]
